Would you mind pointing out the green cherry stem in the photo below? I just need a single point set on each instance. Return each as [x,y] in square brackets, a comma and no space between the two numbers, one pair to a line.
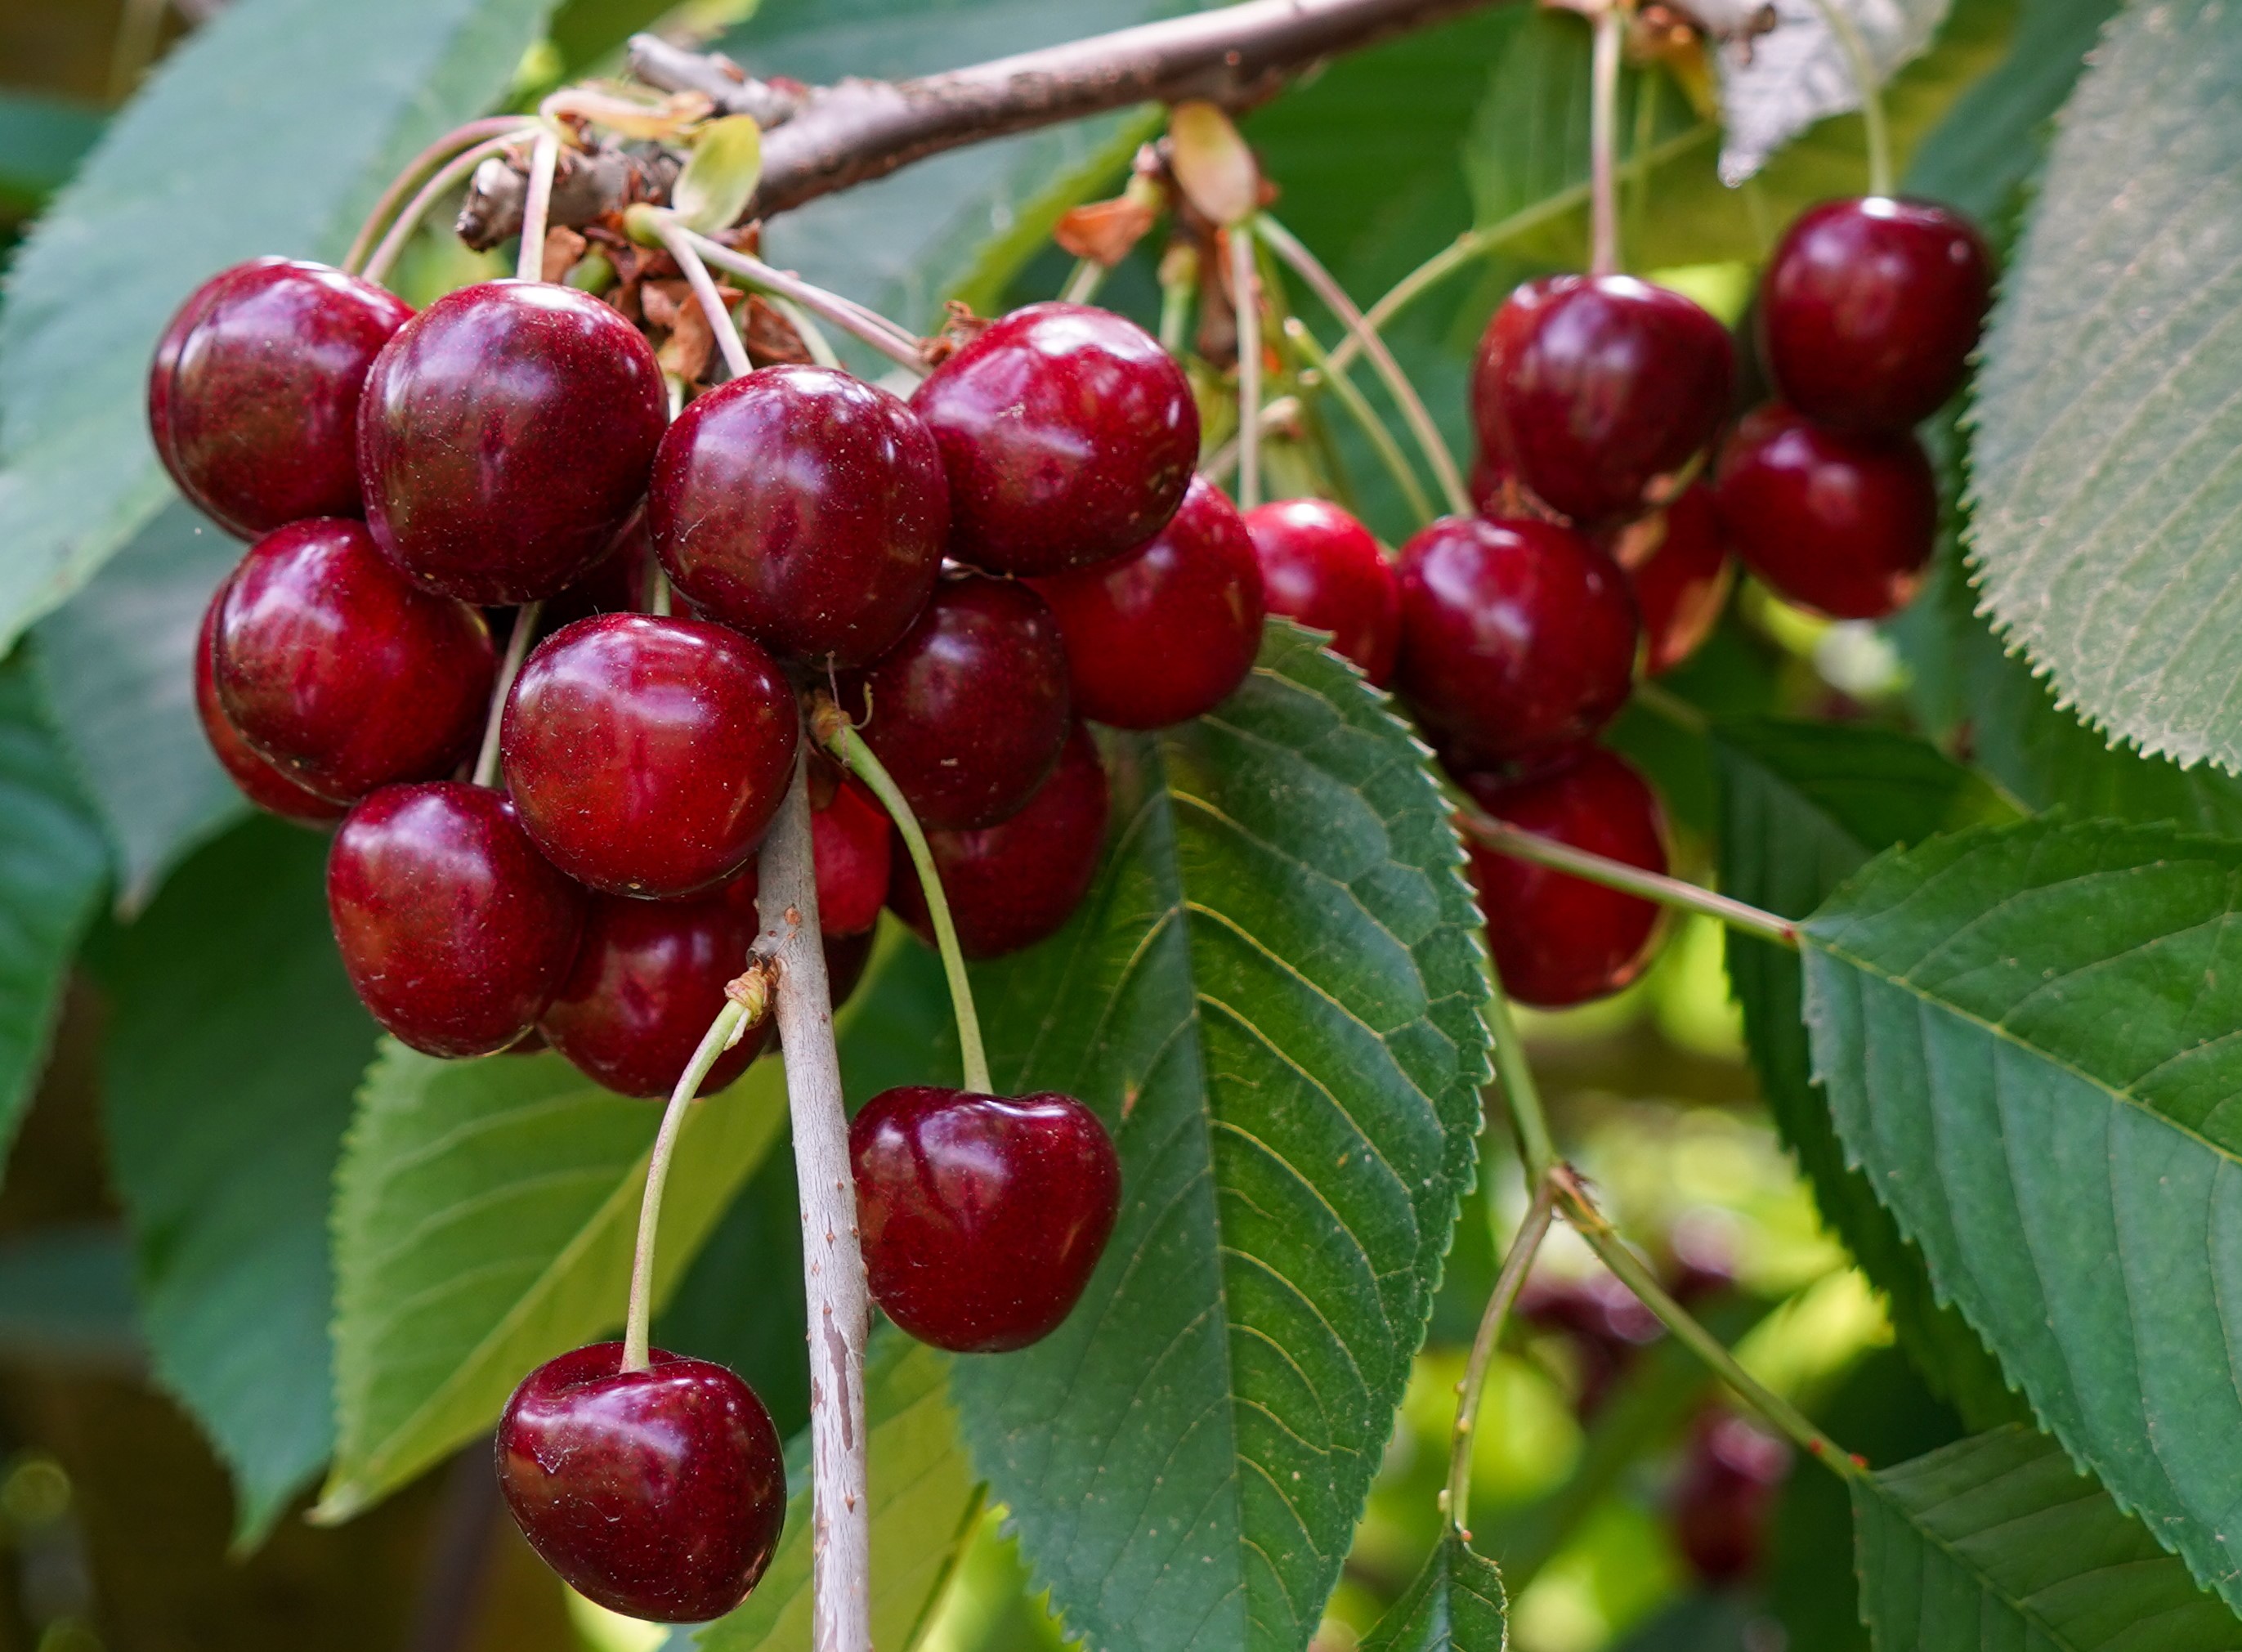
[1521,1094]
[537,205]
[1864,68]
[875,329]
[833,730]
[1603,140]
[450,143]
[1375,429]
[677,241]
[813,336]
[1179,271]
[517,650]
[1455,1498]
[1082,286]
[1245,294]
[447,179]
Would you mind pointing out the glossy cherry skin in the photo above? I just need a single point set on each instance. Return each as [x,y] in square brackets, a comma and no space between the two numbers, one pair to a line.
[1592,387]
[1557,939]
[1169,630]
[1870,308]
[968,711]
[1677,560]
[620,582]
[1069,435]
[804,506]
[506,437]
[1322,568]
[982,1216]
[454,930]
[658,1494]
[1011,884]
[648,979]
[339,670]
[1842,522]
[649,755]
[253,396]
[1518,637]
[258,780]
[1720,1504]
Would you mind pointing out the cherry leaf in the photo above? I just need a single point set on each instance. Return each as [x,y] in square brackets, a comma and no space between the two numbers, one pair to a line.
[721,174]
[1776,85]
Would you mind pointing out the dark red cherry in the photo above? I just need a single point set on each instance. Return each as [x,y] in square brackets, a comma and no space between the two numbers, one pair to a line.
[1169,630]
[620,582]
[335,667]
[1592,387]
[506,437]
[253,397]
[1013,884]
[1518,637]
[1321,567]
[1559,940]
[982,1216]
[658,1494]
[1720,1504]
[258,780]
[805,507]
[1869,309]
[648,979]
[649,755]
[1069,435]
[968,711]
[849,846]
[1604,1323]
[1677,561]
[1840,521]
[846,958]
[454,930]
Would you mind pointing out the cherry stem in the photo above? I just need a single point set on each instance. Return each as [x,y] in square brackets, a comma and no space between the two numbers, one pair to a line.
[433,190]
[1245,297]
[537,207]
[838,735]
[1358,405]
[1455,1499]
[1603,140]
[1326,287]
[813,336]
[678,241]
[517,650]
[1865,84]
[874,329]
[1082,286]
[1175,310]
[449,144]
[1521,1094]
[1632,880]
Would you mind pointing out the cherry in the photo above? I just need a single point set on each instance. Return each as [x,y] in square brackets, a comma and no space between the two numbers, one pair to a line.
[253,396]
[658,1494]
[1557,939]
[649,755]
[455,931]
[1677,561]
[982,1216]
[850,850]
[1321,567]
[846,958]
[1603,1321]
[806,508]
[506,434]
[620,582]
[1869,309]
[1518,637]
[1593,387]
[1169,630]
[1839,522]
[1069,434]
[1011,884]
[1720,1506]
[259,780]
[968,711]
[337,670]
[647,980]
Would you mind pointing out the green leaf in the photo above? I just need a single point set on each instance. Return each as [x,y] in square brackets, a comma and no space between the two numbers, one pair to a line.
[486,1214]
[1998,1542]
[234,1042]
[2104,495]
[720,174]
[1804,806]
[270,130]
[1272,996]
[43,139]
[585,31]
[925,1503]
[1456,1604]
[2026,1034]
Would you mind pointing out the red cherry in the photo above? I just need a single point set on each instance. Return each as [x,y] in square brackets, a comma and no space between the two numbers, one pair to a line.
[1169,630]
[1011,884]
[1518,637]
[1720,1504]
[806,508]
[1869,309]
[337,668]
[455,931]
[968,711]
[1592,387]
[259,780]
[506,437]
[846,958]
[1069,435]
[1604,1322]
[648,979]
[982,1216]
[1677,561]
[1321,567]
[1839,522]
[1490,485]
[1559,940]
[253,396]
[649,755]
[849,848]
[658,1494]
[620,582]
